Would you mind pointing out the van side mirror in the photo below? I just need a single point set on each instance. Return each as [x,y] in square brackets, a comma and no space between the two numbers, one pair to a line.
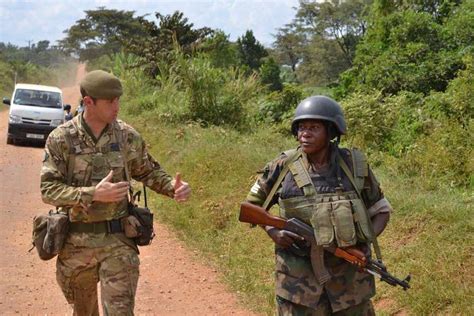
[6,101]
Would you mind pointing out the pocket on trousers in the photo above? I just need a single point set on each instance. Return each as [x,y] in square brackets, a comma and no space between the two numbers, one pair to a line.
[64,279]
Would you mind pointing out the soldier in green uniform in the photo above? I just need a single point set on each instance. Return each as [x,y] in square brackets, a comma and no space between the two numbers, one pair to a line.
[88,164]
[325,186]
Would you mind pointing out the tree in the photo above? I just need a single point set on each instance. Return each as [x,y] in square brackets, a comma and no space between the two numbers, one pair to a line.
[250,51]
[42,46]
[101,32]
[410,51]
[159,40]
[220,50]
[322,62]
[270,74]
[289,45]
[345,22]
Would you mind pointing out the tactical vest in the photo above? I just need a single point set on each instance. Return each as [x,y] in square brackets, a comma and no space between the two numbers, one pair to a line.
[337,218]
[87,166]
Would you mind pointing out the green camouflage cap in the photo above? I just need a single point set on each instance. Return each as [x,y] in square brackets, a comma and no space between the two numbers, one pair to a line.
[101,85]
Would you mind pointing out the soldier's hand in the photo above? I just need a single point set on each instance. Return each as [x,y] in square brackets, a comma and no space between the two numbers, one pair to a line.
[107,191]
[182,190]
[283,238]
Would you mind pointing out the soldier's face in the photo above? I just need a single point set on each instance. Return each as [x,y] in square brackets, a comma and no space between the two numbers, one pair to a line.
[312,136]
[105,110]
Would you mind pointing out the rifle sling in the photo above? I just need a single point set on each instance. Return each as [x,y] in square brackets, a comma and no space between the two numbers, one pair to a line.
[292,156]
[316,252]
[303,180]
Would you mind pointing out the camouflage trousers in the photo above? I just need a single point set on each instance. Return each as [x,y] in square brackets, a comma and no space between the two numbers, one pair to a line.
[287,308]
[115,265]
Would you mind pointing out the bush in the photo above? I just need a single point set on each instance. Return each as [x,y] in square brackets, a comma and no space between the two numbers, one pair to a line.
[443,156]
[406,50]
[277,105]
[270,74]
[190,89]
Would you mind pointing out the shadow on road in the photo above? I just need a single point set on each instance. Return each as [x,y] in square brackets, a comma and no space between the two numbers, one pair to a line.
[28,143]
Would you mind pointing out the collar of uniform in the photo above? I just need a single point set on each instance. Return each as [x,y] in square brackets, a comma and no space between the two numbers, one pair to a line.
[332,156]
[85,131]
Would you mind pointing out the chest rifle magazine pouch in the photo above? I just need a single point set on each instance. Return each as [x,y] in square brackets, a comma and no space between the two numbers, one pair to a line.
[334,220]
[322,224]
[344,223]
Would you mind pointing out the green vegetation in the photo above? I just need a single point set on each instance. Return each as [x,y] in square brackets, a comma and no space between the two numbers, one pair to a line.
[428,234]
[219,123]
[218,110]
[38,64]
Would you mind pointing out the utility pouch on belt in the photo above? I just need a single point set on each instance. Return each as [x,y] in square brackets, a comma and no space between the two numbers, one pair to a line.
[49,233]
[139,224]
[144,225]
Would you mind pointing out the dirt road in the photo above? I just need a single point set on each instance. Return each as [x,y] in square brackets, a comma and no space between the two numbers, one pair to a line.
[172,280]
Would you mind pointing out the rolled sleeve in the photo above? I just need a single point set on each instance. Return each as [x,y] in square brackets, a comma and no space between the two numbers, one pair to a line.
[381,206]
[144,168]
[265,181]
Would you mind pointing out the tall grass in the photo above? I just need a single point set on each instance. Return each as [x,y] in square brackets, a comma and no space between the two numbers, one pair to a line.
[430,233]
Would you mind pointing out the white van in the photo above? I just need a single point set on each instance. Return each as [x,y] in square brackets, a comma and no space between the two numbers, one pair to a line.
[35,111]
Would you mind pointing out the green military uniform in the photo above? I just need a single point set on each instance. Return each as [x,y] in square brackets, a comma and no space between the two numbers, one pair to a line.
[75,161]
[298,291]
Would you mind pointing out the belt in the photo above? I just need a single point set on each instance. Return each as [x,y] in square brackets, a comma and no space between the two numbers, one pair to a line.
[110,227]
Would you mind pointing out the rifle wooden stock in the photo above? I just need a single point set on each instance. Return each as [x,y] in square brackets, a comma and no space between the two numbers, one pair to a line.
[351,255]
[254,214]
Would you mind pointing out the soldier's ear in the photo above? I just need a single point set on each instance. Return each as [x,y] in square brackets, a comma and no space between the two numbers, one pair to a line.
[88,101]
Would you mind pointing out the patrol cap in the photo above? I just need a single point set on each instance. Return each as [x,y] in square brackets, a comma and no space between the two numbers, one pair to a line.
[100,84]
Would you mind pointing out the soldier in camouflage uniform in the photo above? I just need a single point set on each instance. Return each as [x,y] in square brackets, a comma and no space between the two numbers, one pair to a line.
[318,125]
[88,164]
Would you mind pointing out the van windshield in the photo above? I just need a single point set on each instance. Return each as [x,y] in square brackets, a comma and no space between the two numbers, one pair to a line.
[46,99]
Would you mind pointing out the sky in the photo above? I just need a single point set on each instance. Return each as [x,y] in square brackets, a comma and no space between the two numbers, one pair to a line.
[23,22]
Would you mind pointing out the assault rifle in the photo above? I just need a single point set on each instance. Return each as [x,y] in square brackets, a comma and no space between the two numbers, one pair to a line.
[253,214]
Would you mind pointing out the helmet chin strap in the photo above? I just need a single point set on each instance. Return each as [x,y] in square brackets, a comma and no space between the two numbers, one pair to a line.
[333,134]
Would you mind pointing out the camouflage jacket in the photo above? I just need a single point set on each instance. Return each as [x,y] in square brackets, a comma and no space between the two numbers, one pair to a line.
[92,161]
[295,280]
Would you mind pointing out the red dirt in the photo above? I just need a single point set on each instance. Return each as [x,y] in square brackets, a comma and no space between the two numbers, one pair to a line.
[173,281]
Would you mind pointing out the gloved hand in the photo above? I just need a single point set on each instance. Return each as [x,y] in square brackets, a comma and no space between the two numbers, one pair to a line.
[283,238]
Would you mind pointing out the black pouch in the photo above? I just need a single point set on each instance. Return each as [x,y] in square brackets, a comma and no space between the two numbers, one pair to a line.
[144,231]
[49,233]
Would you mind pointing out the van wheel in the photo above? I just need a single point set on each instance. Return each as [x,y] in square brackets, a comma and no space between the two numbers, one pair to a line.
[10,141]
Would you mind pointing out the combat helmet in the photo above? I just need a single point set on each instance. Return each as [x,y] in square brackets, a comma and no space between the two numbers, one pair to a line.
[319,107]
